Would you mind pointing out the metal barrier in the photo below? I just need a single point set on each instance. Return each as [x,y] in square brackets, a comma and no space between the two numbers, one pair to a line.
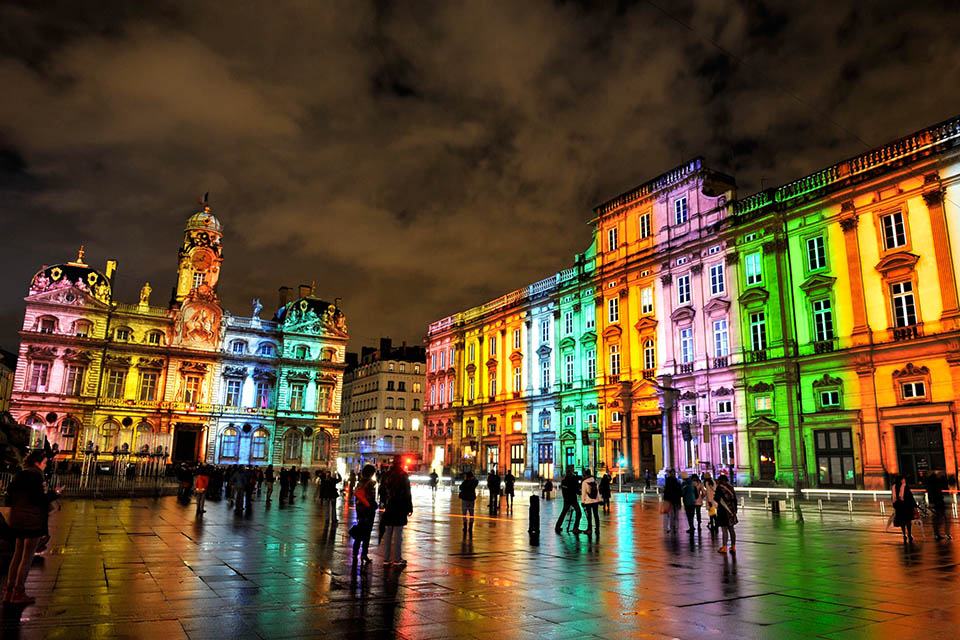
[104,486]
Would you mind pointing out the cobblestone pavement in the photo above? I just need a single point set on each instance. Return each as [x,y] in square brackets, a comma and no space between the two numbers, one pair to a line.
[148,568]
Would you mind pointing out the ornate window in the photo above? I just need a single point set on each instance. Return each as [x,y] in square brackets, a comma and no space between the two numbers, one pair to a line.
[122,334]
[191,389]
[680,211]
[155,338]
[816,253]
[297,393]
[827,392]
[292,445]
[229,443]
[47,324]
[903,304]
[82,328]
[912,384]
[116,380]
[258,445]
[266,349]
[758,331]
[721,338]
[234,390]
[301,352]
[822,320]
[321,446]
[263,392]
[724,407]
[717,281]
[683,289]
[649,354]
[238,347]
[148,386]
[754,268]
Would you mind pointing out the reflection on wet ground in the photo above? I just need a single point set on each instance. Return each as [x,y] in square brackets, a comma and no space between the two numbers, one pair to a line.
[144,568]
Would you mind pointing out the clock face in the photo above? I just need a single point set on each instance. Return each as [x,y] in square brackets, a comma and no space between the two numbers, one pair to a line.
[202,260]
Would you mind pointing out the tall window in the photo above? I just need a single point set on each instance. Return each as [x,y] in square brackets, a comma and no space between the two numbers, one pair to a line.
[433,394]
[516,339]
[758,331]
[614,359]
[683,289]
[568,371]
[894,232]
[323,399]
[492,381]
[441,354]
[589,318]
[545,374]
[148,386]
[721,338]
[591,365]
[401,401]
[680,213]
[645,226]
[493,345]
[258,445]
[115,381]
[39,376]
[822,320]
[191,389]
[726,449]
[649,354]
[197,279]
[544,331]
[611,238]
[646,300]
[263,389]
[433,362]
[904,308]
[441,396]
[74,380]
[472,350]
[613,310]
[292,445]
[717,284]
[686,345]
[229,443]
[567,322]
[754,268]
[297,391]
[816,254]
[234,388]
[471,388]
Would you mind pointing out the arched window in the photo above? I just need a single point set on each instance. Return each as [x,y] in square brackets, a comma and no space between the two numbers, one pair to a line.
[144,436]
[47,324]
[37,429]
[229,443]
[68,434]
[238,347]
[82,328]
[258,445]
[416,444]
[321,447]
[108,433]
[155,338]
[292,445]
[301,352]
[123,334]
[329,355]
[266,349]
[649,354]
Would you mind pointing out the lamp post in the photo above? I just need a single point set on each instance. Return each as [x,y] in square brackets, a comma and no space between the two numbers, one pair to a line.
[620,474]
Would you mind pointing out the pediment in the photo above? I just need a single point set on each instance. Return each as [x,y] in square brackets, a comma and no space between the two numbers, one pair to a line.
[646,324]
[612,333]
[470,368]
[71,296]
[717,307]
[544,351]
[492,362]
[683,314]
[567,343]
[588,338]
[897,264]
[818,283]
[754,296]
[762,424]
[516,356]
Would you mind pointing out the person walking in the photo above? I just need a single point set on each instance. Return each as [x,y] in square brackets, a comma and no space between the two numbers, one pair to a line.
[935,484]
[508,482]
[398,508]
[284,484]
[269,477]
[365,500]
[569,490]
[709,489]
[726,499]
[646,479]
[29,501]
[493,486]
[237,485]
[304,481]
[605,491]
[352,479]
[201,483]
[259,482]
[330,495]
[434,481]
[904,507]
[690,495]
[590,498]
[468,497]
[672,496]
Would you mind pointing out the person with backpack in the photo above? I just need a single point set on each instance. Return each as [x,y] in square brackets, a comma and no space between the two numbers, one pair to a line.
[605,491]
[726,499]
[569,490]
[508,481]
[468,497]
[365,500]
[590,497]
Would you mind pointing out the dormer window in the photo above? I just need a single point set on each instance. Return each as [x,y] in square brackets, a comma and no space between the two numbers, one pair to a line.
[121,335]
[82,328]
[266,349]
[300,352]
[47,325]
[238,347]
[155,338]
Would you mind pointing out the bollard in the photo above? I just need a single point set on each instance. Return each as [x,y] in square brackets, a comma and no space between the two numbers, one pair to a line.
[534,528]
[954,509]
[850,505]
[743,502]
[820,504]
[631,489]
[766,501]
[883,510]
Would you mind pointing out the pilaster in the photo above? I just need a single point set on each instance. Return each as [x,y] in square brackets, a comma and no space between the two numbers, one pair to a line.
[950,317]
[848,223]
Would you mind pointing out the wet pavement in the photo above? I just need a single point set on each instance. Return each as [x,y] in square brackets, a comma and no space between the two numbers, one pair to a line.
[145,568]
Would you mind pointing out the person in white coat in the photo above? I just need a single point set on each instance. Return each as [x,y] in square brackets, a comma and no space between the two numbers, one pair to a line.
[590,499]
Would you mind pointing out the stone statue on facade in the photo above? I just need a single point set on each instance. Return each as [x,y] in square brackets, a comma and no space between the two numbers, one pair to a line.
[145,294]
[257,308]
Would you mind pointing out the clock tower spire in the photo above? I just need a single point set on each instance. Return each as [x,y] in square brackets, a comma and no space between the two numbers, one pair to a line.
[198,268]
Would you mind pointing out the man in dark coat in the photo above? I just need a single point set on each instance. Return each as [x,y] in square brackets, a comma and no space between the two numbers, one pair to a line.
[672,495]
[570,490]
[284,484]
[493,486]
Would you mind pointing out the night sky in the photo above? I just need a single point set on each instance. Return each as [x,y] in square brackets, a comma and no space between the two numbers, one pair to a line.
[419,160]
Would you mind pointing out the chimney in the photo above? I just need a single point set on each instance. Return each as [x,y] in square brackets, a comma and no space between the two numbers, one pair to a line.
[111,269]
[305,290]
[284,297]
[385,345]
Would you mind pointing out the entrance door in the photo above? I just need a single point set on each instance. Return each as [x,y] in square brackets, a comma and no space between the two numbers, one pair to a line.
[493,457]
[919,450]
[768,459]
[834,449]
[185,445]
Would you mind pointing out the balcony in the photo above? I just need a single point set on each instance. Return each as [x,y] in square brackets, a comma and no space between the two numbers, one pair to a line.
[902,334]
[758,355]
[686,367]
[613,379]
[649,374]
[823,346]
[721,363]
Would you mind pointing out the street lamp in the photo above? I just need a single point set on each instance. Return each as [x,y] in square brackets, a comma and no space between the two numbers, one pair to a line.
[620,474]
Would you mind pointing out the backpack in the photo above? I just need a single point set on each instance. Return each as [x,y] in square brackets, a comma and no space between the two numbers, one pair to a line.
[592,491]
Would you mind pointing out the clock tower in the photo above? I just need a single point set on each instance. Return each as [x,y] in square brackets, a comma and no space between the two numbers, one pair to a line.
[200,256]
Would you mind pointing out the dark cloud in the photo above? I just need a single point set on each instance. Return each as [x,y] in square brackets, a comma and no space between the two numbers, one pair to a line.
[416,159]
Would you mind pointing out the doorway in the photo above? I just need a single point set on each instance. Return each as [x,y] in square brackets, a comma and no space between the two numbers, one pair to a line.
[768,459]
[919,451]
[185,440]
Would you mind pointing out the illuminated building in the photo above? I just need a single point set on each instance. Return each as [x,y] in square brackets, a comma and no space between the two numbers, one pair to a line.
[382,412]
[702,332]
[178,382]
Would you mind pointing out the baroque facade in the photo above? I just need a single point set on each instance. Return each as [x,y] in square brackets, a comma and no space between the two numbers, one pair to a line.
[182,382]
[809,333]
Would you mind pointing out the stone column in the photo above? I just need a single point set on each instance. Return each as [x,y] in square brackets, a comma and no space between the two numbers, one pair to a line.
[861,333]
[950,317]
